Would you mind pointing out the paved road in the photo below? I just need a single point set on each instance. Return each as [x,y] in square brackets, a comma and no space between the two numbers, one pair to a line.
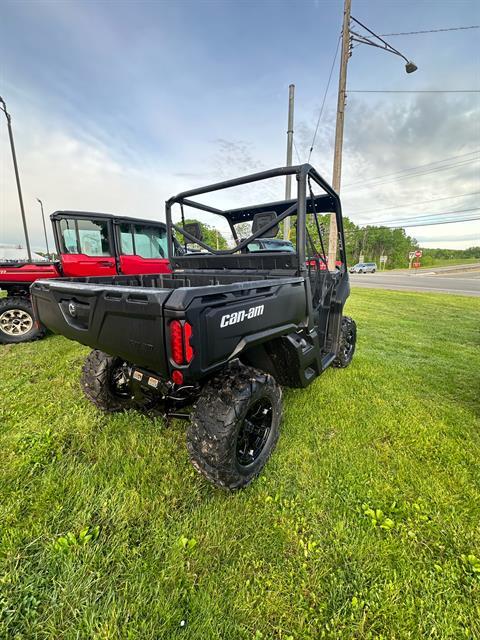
[463,284]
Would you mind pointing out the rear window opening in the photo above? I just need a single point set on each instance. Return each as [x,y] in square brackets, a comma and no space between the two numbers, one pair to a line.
[258,236]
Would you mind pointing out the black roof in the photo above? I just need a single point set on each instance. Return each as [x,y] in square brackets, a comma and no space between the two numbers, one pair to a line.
[87,215]
[323,204]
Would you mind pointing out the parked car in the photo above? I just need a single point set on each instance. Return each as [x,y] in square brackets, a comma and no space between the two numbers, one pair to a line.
[88,244]
[364,267]
[270,244]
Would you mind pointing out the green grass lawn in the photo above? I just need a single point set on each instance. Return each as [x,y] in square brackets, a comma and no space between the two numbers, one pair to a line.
[428,262]
[364,524]
[447,262]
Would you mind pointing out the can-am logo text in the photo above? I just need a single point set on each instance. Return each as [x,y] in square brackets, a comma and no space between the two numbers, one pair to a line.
[240,316]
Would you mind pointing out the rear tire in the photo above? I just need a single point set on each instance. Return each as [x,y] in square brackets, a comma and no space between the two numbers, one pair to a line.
[348,341]
[104,382]
[235,426]
[17,321]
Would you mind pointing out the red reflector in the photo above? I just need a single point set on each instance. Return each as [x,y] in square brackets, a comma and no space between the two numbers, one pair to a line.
[187,332]
[176,342]
[177,377]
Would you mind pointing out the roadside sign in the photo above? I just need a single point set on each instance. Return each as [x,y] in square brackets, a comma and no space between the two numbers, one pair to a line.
[416,265]
[383,258]
[411,255]
[418,253]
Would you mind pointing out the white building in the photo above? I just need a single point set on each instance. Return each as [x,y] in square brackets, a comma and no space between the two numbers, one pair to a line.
[12,252]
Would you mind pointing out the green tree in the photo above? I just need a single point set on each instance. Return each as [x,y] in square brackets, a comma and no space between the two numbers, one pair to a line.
[211,235]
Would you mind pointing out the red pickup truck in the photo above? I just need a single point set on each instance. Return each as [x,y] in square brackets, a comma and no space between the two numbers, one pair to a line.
[89,244]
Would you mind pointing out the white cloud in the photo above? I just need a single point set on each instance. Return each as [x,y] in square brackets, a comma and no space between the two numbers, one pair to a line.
[383,136]
[69,170]
[68,173]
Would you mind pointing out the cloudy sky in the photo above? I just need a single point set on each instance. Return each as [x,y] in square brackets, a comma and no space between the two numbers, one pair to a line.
[118,105]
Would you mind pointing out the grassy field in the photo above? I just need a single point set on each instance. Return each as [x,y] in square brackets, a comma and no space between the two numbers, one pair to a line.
[446,262]
[428,262]
[364,524]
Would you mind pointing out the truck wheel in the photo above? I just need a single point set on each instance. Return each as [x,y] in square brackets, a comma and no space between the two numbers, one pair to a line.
[348,340]
[17,322]
[235,426]
[105,382]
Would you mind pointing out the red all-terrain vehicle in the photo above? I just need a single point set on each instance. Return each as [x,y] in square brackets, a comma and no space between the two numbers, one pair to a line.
[89,244]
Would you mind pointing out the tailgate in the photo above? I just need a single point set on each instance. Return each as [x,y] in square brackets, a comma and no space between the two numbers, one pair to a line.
[27,272]
[120,320]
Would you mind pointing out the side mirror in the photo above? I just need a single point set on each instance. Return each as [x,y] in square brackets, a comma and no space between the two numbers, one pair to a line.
[194,229]
[262,219]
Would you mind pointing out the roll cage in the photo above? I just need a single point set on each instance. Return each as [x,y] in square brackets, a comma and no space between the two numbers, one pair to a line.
[301,205]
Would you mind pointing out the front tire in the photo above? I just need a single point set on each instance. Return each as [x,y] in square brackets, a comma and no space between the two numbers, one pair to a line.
[235,426]
[105,382]
[348,341]
[17,321]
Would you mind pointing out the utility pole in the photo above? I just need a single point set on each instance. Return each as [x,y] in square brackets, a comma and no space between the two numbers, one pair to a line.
[337,158]
[348,36]
[44,227]
[3,107]
[288,180]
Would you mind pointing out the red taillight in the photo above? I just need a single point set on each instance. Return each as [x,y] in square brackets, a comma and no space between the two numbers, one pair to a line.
[176,341]
[180,346]
[187,330]
[177,377]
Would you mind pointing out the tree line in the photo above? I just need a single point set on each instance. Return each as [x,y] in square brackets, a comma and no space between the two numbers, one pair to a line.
[371,242]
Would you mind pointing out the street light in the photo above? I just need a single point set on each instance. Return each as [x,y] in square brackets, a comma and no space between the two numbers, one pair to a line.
[3,107]
[348,35]
[410,67]
[44,227]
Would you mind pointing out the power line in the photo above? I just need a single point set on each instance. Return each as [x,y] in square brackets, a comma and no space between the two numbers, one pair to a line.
[414,204]
[429,215]
[413,33]
[324,99]
[417,174]
[418,166]
[418,220]
[413,91]
[296,151]
[429,224]
[414,174]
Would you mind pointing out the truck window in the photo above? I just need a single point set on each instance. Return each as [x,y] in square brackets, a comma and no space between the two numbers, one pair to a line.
[126,240]
[69,236]
[143,240]
[89,237]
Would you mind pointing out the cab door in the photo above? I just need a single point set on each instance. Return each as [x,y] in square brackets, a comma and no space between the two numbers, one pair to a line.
[86,246]
[142,248]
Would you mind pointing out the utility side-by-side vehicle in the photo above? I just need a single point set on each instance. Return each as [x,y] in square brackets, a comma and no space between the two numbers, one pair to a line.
[88,244]
[224,331]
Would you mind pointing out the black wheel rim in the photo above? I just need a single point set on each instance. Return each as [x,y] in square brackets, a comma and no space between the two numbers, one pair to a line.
[254,432]
[119,380]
